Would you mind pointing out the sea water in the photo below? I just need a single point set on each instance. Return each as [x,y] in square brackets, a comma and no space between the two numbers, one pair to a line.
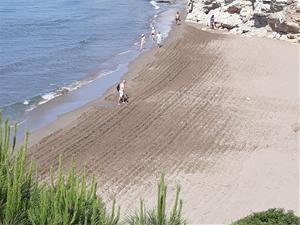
[52,48]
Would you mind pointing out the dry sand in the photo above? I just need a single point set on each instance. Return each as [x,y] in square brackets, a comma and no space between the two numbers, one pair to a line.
[217,113]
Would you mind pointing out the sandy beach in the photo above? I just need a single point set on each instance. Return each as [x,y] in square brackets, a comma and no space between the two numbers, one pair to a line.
[219,114]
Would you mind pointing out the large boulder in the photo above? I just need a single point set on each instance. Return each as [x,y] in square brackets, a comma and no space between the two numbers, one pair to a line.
[246,14]
[279,5]
[260,19]
[208,7]
[227,20]
[278,22]
[270,18]
[277,18]
[237,6]
[288,27]
[198,16]
[190,6]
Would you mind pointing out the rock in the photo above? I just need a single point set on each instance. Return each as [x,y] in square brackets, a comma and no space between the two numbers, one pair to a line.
[283,37]
[208,2]
[237,6]
[278,5]
[228,1]
[233,9]
[291,36]
[279,23]
[260,32]
[244,28]
[276,35]
[289,27]
[260,19]
[250,17]
[227,20]
[298,7]
[246,14]
[295,127]
[165,1]
[190,5]
[209,7]
[199,17]
[276,18]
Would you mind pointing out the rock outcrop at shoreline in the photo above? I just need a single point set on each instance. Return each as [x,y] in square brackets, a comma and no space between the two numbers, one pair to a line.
[278,19]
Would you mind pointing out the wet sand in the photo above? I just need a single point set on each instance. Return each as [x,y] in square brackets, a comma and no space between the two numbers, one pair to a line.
[215,112]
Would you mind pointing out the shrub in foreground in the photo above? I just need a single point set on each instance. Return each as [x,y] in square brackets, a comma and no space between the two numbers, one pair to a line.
[158,216]
[270,217]
[66,199]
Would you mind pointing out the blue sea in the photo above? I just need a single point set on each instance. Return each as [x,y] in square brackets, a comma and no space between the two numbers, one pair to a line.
[54,48]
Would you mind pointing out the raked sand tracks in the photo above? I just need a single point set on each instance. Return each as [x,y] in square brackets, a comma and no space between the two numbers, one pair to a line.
[214,112]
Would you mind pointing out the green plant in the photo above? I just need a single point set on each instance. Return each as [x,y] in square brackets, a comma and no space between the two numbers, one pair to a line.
[66,200]
[159,216]
[270,217]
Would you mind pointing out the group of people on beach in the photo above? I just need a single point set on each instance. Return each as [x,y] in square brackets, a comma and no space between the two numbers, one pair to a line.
[121,90]
[156,38]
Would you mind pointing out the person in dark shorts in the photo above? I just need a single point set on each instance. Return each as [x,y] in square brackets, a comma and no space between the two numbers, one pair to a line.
[212,22]
[177,18]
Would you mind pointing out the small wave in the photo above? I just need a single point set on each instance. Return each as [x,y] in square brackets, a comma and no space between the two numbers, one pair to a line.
[32,107]
[62,91]
[107,72]
[47,97]
[125,52]
[154,3]
[26,102]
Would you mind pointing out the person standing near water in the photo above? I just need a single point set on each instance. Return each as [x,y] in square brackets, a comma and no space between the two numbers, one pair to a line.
[121,90]
[159,39]
[177,18]
[153,34]
[143,42]
[212,22]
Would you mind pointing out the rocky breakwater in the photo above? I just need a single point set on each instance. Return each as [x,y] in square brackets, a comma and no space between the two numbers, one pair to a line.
[279,19]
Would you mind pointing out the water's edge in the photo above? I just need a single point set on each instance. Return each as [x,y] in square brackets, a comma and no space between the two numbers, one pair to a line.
[66,99]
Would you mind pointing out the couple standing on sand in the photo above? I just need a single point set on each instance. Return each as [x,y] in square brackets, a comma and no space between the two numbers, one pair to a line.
[158,38]
[122,95]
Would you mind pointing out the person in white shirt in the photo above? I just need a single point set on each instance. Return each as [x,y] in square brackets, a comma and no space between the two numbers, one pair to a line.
[121,91]
[153,34]
[143,42]
[159,39]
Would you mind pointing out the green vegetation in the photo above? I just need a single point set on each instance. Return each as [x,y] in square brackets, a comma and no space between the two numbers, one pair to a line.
[69,199]
[159,215]
[270,217]
[65,199]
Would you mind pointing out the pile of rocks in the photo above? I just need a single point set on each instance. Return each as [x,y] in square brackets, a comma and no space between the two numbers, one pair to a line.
[278,19]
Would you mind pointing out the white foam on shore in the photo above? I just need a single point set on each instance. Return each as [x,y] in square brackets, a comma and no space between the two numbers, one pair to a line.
[47,97]
[64,90]
[107,72]
[155,5]
[125,52]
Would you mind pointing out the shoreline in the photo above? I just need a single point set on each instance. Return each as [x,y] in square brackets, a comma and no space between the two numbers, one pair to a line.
[210,111]
[105,100]
[46,113]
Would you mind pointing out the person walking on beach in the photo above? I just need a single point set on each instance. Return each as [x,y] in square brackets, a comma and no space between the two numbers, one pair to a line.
[159,39]
[212,22]
[153,34]
[177,18]
[143,42]
[121,90]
